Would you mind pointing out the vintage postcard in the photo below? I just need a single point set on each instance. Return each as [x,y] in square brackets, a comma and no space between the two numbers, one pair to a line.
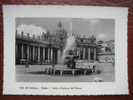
[65,50]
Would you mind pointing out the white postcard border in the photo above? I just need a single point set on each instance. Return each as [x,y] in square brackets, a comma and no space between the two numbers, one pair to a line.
[120,86]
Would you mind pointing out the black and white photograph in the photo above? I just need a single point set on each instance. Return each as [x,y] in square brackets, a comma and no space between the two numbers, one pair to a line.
[65,50]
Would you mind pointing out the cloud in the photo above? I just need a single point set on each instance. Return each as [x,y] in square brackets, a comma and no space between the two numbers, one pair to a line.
[101,36]
[31,29]
[94,21]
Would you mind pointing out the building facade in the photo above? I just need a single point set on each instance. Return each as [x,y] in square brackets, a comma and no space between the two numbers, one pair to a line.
[106,51]
[48,47]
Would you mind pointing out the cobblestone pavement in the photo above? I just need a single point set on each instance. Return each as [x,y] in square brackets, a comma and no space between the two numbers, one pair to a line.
[35,73]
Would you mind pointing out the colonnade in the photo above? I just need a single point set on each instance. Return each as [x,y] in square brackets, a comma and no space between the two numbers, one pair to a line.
[36,54]
[47,55]
[86,53]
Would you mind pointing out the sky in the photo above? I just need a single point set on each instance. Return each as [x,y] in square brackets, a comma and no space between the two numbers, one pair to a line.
[103,29]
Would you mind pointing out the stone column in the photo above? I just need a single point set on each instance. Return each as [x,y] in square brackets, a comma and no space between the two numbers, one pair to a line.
[38,54]
[48,53]
[27,52]
[89,54]
[83,53]
[33,53]
[79,53]
[43,54]
[52,54]
[59,57]
[94,54]
[22,51]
